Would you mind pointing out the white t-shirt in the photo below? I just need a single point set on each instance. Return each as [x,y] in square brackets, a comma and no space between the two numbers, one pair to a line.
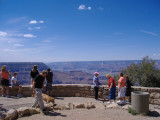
[15,80]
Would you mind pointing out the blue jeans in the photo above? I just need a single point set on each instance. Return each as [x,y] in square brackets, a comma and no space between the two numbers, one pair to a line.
[112,93]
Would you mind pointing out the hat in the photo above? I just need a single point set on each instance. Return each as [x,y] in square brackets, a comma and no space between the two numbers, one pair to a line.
[48,69]
[96,73]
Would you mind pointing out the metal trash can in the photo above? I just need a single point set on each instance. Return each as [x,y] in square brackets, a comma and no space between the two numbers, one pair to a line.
[140,101]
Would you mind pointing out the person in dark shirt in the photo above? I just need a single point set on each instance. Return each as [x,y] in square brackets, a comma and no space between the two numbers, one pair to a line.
[38,84]
[49,79]
[34,72]
[128,88]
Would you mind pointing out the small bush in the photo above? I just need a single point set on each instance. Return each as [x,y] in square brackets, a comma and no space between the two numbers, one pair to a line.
[132,111]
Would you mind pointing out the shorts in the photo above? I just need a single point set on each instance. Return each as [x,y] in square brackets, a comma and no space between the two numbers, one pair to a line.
[48,86]
[121,92]
[32,79]
[5,82]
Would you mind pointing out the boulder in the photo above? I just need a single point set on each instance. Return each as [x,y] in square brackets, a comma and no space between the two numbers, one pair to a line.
[80,105]
[12,114]
[89,105]
[60,107]
[48,107]
[34,111]
[71,106]
[23,111]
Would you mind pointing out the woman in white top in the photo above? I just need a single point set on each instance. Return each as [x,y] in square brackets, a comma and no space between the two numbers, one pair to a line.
[15,84]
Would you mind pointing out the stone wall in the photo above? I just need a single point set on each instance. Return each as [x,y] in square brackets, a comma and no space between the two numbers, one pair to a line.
[83,90]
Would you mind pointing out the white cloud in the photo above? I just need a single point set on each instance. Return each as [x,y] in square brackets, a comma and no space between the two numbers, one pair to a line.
[156,55]
[33,22]
[9,42]
[46,41]
[83,7]
[150,33]
[89,8]
[37,28]
[18,45]
[16,20]
[29,28]
[3,34]
[32,28]
[41,21]
[8,50]
[28,35]
[100,8]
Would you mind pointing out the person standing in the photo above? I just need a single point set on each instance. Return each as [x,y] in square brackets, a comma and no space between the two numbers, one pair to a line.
[38,84]
[112,88]
[49,79]
[34,72]
[121,89]
[96,84]
[16,84]
[5,81]
[128,88]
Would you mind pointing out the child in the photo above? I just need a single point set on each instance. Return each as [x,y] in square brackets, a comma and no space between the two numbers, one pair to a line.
[15,84]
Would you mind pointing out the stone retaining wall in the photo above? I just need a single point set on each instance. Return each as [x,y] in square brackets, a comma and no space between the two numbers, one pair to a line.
[84,90]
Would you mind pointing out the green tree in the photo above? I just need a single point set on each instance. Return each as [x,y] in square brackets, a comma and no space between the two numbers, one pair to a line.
[145,73]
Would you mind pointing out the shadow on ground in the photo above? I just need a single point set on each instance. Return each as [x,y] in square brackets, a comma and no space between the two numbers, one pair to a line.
[59,98]
[153,114]
[56,114]
[2,111]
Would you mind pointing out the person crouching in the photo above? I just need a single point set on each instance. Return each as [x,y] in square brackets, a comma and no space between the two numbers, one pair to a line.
[38,84]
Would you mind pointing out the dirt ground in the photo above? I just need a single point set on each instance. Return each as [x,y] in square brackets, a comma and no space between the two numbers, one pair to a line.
[77,114]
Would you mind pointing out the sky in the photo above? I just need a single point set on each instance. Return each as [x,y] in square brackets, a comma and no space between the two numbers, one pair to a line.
[79,30]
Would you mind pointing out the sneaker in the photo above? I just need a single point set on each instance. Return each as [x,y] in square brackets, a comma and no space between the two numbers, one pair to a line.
[113,102]
[44,111]
[119,101]
[124,102]
[19,95]
[109,102]
[8,96]
[4,95]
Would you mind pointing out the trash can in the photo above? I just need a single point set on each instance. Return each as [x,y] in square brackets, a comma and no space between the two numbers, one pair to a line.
[140,101]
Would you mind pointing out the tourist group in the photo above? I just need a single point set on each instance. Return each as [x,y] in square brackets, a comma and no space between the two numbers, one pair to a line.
[124,88]
[37,85]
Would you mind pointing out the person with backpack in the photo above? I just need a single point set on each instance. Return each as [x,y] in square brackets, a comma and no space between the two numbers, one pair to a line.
[112,88]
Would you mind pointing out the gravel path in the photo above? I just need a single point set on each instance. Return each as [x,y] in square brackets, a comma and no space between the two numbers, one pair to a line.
[77,114]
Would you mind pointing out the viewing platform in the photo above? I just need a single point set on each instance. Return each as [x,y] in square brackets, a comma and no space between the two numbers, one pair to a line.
[85,90]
